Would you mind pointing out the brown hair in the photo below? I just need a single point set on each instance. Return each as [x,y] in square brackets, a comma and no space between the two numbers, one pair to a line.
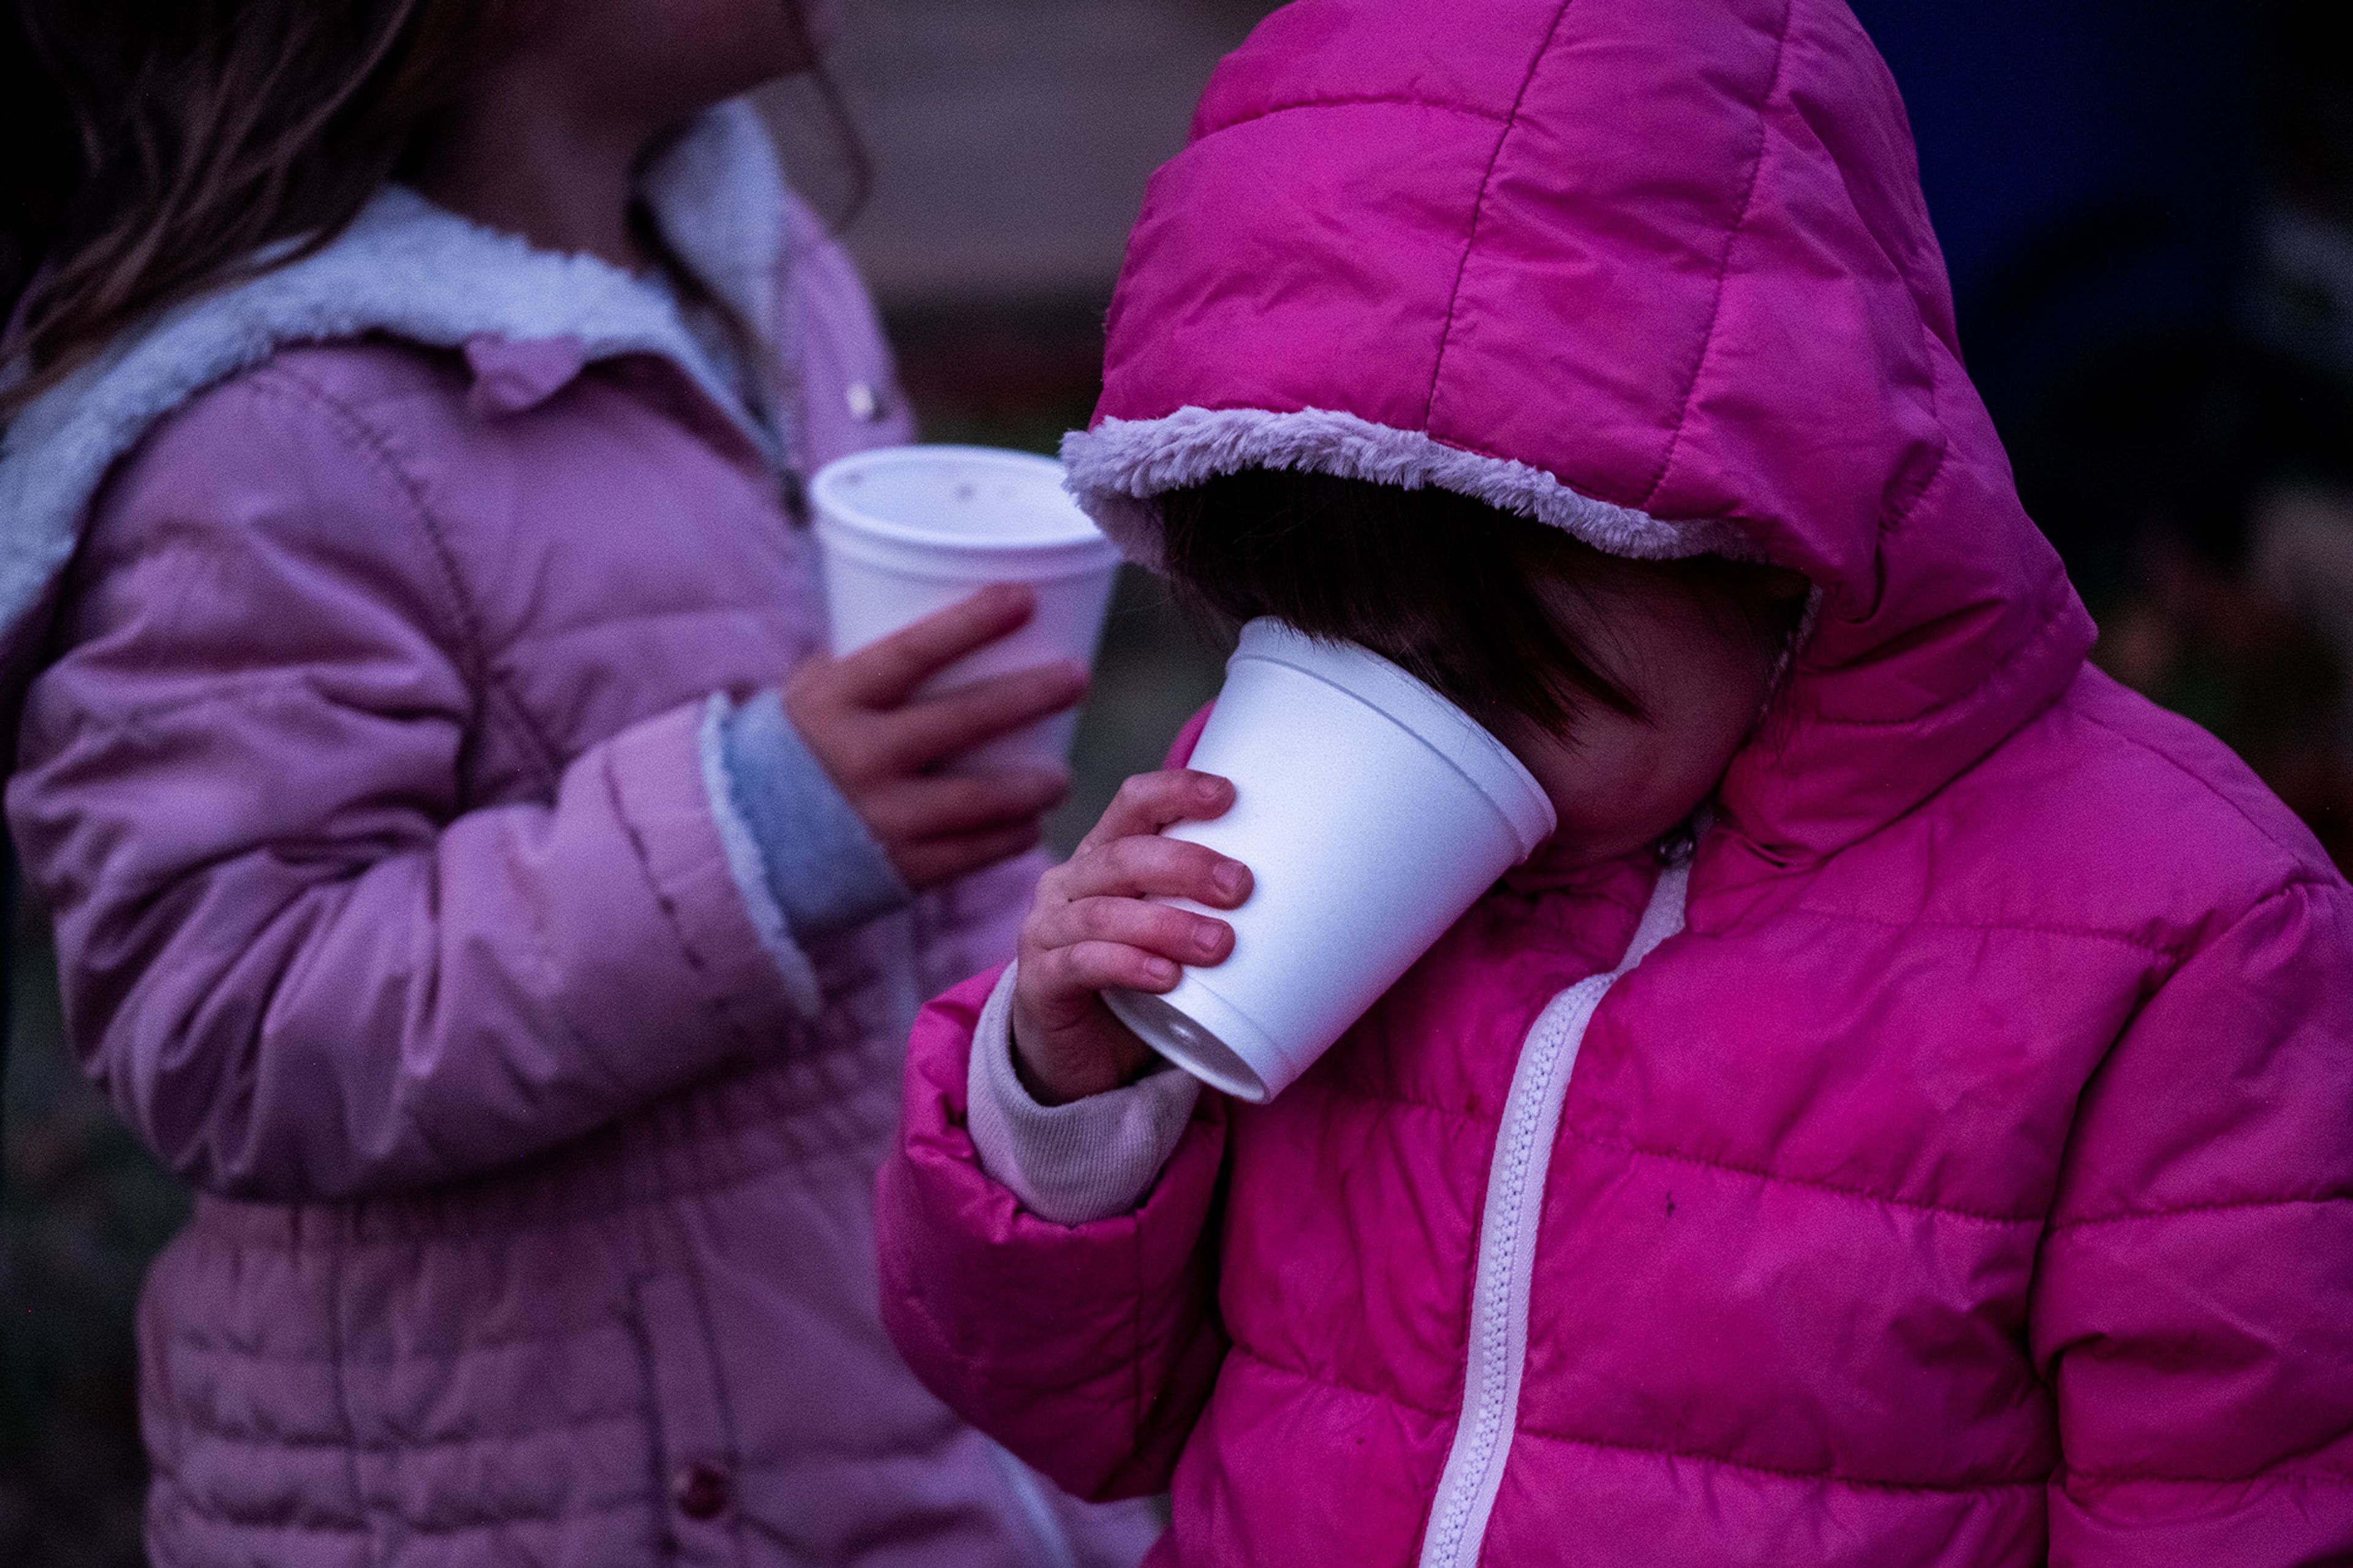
[1445,586]
[157,147]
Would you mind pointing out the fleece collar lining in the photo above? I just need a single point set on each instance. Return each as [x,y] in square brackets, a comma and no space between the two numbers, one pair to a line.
[412,270]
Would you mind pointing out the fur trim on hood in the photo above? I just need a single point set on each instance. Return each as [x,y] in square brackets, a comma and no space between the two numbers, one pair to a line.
[413,270]
[1115,469]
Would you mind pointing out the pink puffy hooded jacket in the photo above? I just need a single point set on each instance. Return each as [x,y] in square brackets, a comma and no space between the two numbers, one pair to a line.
[378,775]
[1966,1178]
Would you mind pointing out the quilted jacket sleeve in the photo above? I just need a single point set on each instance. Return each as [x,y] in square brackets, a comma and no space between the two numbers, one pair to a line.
[300,968]
[2193,1304]
[854,402]
[1088,1351]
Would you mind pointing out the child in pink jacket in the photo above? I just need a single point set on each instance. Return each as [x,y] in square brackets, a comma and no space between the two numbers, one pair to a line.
[1904,1116]
[406,574]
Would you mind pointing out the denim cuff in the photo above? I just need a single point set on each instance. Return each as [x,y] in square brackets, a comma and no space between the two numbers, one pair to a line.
[1072,1164]
[824,870]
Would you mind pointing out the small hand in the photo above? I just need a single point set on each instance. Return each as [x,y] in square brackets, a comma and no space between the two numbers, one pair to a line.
[879,743]
[1092,928]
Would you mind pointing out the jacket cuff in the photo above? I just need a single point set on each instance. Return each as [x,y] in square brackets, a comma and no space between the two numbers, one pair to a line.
[746,867]
[821,869]
[659,774]
[1071,1163]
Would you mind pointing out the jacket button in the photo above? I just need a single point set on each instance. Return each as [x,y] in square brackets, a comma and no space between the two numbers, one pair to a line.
[703,1491]
[865,403]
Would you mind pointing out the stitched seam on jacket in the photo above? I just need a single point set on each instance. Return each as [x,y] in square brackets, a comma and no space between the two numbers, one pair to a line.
[2178,766]
[2051,624]
[1895,520]
[1958,1488]
[578,1210]
[359,430]
[1723,262]
[1362,101]
[726,611]
[1327,1380]
[1479,208]
[913,1295]
[2135,1479]
[273,377]
[406,1356]
[1859,1195]
[2087,933]
[2317,1200]
[1818,1477]
[731,1456]
[366,1523]
[359,433]
[2067,1153]
[634,1416]
[246,686]
[722,1013]
[342,1385]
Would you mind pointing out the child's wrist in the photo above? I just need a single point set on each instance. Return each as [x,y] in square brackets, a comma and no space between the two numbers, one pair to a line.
[1112,1059]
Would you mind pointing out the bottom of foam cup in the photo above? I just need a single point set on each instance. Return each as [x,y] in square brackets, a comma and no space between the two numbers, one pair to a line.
[1193,1043]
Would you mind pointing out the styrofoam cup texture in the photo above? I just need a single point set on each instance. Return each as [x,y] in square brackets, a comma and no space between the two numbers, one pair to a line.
[1372,813]
[907,531]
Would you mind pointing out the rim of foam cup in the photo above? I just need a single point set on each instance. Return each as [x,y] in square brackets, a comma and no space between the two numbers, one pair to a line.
[1064,541]
[1458,739]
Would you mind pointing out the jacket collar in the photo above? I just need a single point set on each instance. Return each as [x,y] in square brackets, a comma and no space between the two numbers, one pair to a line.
[412,270]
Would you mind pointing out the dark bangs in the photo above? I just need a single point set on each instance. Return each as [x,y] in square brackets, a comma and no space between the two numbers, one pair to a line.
[1447,587]
[1441,585]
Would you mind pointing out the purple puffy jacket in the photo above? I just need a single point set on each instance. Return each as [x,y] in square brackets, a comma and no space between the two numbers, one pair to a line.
[1966,1178]
[373,775]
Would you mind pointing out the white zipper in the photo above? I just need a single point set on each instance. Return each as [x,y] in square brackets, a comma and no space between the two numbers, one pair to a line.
[1507,1243]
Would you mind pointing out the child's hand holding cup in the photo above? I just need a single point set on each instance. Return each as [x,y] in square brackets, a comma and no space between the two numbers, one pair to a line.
[1091,930]
[965,592]
[907,532]
[1364,812]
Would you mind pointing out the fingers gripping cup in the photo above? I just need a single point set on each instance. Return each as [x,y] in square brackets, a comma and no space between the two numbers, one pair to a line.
[906,530]
[1372,813]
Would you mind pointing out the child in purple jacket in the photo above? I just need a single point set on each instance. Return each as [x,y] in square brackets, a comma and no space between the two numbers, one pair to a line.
[469,870]
[1904,1115]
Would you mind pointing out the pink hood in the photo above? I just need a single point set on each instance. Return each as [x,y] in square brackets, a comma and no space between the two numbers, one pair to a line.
[1660,275]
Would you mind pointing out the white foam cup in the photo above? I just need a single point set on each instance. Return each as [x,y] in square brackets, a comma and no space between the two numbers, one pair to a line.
[906,530]
[1371,812]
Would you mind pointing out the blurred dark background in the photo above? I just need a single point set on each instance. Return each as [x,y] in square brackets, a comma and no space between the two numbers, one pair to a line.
[2148,207]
